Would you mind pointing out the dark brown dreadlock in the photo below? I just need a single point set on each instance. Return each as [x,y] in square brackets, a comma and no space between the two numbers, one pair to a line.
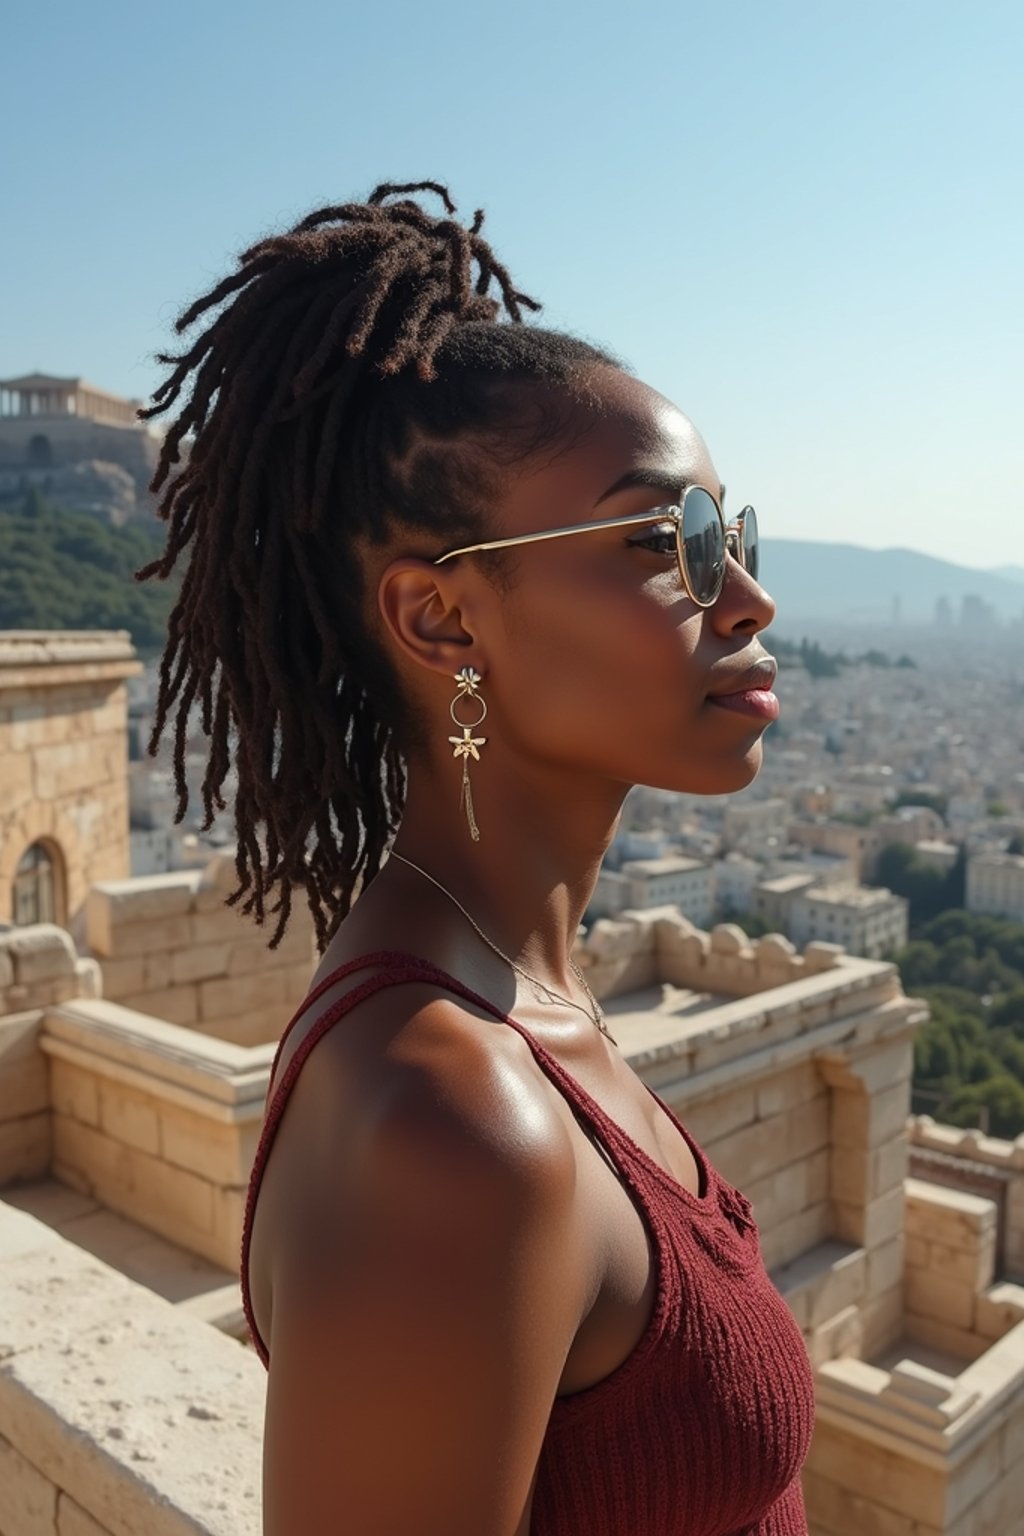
[356,379]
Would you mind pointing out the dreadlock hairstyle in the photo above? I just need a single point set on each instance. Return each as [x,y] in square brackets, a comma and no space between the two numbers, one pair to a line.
[361,376]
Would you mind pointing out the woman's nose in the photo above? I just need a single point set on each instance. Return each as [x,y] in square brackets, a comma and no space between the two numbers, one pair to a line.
[743,605]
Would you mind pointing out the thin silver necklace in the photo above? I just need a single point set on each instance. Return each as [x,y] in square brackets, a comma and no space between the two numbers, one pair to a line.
[594,1013]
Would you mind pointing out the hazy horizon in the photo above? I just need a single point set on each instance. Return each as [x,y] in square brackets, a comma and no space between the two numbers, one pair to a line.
[801,223]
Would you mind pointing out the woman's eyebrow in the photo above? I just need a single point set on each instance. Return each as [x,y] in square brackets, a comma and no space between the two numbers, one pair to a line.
[650,479]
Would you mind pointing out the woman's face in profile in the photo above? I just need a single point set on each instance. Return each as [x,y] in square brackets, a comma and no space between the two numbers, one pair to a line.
[598,661]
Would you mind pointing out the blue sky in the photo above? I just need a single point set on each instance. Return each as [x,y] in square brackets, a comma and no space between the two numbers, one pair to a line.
[803,222]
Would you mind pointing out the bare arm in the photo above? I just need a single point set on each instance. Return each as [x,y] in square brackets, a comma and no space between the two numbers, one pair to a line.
[426,1290]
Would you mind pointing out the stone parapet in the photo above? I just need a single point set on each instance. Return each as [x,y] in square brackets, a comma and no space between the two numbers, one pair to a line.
[981,1164]
[33,658]
[919,1452]
[155,1121]
[168,945]
[119,1413]
[38,966]
[639,948]
[950,1268]
[800,1096]
[25,1127]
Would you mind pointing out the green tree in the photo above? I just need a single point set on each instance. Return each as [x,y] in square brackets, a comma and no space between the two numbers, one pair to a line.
[71,570]
[1007,1012]
[969,968]
[1001,1095]
[927,889]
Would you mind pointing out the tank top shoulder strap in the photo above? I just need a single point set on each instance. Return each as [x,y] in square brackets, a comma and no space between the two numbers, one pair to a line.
[396,968]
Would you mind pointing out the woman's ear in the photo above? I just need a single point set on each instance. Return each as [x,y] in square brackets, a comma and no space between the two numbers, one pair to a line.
[426,616]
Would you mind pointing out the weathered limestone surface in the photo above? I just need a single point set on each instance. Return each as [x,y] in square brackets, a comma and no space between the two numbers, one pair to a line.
[798,1094]
[951,1238]
[63,726]
[119,1414]
[975,1162]
[155,1121]
[915,1451]
[25,1136]
[168,945]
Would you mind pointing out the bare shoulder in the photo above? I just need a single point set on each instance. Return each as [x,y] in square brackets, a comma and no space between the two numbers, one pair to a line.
[423,1274]
[416,1042]
[410,1076]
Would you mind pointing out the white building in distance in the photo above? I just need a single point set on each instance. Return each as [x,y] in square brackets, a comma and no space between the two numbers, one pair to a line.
[865,920]
[644,883]
[995,885]
[752,824]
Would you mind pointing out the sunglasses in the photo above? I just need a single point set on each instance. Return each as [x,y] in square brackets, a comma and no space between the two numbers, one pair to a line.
[702,537]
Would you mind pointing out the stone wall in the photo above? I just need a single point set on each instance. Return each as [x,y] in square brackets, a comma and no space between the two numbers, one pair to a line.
[120,1414]
[168,945]
[155,1121]
[800,1095]
[907,1450]
[63,732]
[25,1135]
[953,1302]
[977,1164]
[38,966]
[797,1084]
[771,1139]
[638,949]
[912,1451]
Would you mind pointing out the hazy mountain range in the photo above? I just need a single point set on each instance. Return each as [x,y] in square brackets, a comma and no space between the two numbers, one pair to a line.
[842,582]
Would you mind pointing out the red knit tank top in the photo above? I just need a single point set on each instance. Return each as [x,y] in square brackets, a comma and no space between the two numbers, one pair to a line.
[703,1429]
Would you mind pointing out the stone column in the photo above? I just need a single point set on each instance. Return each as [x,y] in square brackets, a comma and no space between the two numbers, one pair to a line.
[869,1112]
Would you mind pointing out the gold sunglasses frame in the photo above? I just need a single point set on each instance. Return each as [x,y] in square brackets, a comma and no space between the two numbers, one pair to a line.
[732,534]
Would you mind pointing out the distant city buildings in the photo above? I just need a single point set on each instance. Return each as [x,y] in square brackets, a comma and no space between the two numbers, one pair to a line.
[995,885]
[864,920]
[750,824]
[644,883]
[930,757]
[976,613]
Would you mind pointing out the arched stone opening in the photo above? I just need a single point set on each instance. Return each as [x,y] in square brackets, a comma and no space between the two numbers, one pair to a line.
[37,895]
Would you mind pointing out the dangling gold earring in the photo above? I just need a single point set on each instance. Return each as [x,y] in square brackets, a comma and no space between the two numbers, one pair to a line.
[466,744]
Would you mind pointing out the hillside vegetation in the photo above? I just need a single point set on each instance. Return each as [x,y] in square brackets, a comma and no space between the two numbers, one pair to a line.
[969,1057]
[71,570]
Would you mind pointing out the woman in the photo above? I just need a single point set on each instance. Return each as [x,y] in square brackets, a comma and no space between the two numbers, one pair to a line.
[435,588]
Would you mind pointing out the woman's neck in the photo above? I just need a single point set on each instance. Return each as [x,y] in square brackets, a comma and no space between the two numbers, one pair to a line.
[528,880]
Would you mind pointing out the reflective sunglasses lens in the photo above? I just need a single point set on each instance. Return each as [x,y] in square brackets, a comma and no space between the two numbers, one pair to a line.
[751,545]
[703,542]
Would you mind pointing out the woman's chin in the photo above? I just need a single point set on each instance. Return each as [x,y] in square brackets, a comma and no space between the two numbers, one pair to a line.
[723,777]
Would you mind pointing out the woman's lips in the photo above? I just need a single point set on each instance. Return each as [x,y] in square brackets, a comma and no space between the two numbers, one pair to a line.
[758,702]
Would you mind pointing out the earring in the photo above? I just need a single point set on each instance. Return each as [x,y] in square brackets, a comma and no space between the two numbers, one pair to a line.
[466,745]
